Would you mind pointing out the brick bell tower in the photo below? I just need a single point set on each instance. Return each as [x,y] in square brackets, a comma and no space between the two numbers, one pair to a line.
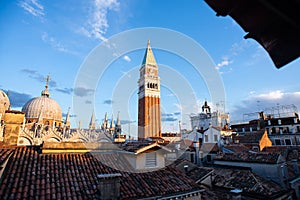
[149,124]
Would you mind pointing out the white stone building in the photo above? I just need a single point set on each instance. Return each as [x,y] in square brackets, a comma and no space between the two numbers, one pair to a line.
[207,118]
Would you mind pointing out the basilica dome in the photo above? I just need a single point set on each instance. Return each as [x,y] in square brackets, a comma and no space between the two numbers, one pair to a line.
[4,102]
[43,108]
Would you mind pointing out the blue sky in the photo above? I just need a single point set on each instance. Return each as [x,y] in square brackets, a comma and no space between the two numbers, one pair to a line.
[40,37]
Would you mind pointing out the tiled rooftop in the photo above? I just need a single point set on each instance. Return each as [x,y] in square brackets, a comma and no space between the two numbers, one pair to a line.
[279,149]
[250,138]
[249,157]
[199,173]
[4,153]
[31,175]
[210,148]
[246,180]
[194,172]
[134,146]
[237,148]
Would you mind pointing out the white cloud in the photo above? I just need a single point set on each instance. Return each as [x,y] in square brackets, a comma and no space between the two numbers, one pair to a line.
[225,62]
[237,49]
[257,102]
[33,7]
[55,44]
[127,58]
[273,95]
[97,24]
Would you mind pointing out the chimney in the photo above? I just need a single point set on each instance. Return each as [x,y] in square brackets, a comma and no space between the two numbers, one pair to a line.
[236,194]
[109,186]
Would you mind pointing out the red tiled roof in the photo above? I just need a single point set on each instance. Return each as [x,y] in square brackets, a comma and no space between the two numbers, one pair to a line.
[194,172]
[270,158]
[283,150]
[210,148]
[197,174]
[31,175]
[4,154]
[237,148]
[246,180]
[250,138]
[134,146]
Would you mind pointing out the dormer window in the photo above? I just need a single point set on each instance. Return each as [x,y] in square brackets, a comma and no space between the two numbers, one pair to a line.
[150,160]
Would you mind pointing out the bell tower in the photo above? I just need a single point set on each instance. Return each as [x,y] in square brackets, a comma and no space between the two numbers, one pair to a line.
[149,124]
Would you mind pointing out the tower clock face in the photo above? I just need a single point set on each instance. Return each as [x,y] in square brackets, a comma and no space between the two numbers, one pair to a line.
[151,72]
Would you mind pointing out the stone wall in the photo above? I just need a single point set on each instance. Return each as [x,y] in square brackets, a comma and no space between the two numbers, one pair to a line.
[13,124]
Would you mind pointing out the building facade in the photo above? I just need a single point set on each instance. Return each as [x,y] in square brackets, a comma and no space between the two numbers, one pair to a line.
[281,123]
[149,119]
[207,118]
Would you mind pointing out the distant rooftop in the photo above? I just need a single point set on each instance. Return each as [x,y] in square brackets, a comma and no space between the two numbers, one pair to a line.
[269,158]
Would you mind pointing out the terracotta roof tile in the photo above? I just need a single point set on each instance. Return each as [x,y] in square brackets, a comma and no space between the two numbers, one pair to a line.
[237,148]
[249,157]
[193,171]
[65,176]
[250,138]
[246,180]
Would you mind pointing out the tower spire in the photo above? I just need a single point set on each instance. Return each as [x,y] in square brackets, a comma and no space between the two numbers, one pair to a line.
[118,129]
[92,125]
[118,119]
[112,124]
[105,123]
[67,122]
[149,57]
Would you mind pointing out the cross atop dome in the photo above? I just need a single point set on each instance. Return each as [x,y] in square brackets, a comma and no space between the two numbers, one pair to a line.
[48,80]
[45,92]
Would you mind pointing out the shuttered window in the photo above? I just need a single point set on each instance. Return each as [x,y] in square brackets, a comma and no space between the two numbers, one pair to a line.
[151,159]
